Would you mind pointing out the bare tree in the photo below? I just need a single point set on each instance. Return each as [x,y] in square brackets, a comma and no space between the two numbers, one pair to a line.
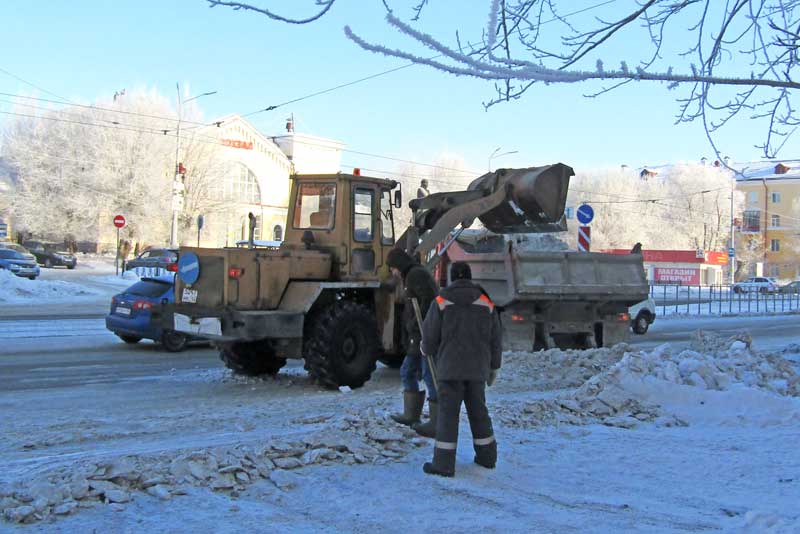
[737,58]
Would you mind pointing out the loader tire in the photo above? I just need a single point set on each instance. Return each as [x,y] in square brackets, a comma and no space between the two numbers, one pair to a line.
[342,345]
[251,358]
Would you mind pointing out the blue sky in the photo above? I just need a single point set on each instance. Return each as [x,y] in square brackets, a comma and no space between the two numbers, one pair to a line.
[90,48]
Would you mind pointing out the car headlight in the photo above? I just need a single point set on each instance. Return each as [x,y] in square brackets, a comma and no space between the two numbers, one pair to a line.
[14,267]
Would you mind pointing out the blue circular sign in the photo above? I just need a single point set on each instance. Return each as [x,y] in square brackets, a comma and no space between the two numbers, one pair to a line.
[585,214]
[189,268]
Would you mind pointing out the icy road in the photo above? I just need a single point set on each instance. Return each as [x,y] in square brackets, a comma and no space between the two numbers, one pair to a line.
[697,435]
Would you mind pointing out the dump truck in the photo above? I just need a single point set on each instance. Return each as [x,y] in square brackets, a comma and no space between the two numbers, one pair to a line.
[552,298]
[326,294]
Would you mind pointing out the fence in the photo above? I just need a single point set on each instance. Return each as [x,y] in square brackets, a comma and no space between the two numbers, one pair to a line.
[719,300]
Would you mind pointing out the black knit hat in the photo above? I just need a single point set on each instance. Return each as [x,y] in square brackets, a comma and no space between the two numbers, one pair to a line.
[460,270]
[399,260]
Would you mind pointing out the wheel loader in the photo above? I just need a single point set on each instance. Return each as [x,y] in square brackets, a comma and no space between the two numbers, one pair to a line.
[326,295]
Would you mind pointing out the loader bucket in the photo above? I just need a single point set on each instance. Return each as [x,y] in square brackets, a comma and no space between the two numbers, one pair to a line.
[536,198]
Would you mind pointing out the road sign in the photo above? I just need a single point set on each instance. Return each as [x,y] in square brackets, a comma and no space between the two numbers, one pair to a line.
[585,214]
[189,268]
[584,238]
[731,252]
[119,221]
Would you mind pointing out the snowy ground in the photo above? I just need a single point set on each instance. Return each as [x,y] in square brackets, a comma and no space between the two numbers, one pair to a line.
[699,434]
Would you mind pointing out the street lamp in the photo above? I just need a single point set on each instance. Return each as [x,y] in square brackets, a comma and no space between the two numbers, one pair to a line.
[177,183]
[495,154]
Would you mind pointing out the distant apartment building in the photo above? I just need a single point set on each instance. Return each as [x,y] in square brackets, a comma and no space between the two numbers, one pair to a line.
[768,237]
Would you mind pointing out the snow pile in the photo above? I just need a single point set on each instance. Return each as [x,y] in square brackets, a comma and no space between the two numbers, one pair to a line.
[718,379]
[14,289]
[356,438]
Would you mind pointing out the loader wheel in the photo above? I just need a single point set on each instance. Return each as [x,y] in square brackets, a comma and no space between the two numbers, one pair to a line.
[341,345]
[251,358]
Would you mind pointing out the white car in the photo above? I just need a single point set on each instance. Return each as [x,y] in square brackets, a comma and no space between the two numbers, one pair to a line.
[642,315]
[760,284]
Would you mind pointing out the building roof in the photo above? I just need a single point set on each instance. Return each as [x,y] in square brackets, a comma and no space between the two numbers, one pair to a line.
[768,170]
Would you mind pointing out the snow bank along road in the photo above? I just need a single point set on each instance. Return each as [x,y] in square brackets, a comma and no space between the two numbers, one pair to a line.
[700,435]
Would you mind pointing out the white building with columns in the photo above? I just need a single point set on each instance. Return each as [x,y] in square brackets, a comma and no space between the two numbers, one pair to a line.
[256,179]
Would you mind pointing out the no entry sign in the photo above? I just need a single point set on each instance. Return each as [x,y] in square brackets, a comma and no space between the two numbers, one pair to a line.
[119,221]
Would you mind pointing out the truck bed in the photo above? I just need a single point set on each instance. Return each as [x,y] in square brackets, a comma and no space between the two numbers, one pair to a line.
[510,275]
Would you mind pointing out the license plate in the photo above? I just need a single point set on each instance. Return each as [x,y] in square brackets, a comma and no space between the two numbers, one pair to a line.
[189,295]
[200,325]
[122,311]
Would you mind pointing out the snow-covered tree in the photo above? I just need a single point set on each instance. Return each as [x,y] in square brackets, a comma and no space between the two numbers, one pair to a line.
[679,207]
[77,166]
[736,58]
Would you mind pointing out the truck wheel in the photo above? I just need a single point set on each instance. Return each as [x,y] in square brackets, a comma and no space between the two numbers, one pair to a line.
[173,341]
[342,345]
[251,358]
[641,324]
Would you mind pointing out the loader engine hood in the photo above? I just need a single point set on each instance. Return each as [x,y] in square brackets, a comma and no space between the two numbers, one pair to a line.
[537,197]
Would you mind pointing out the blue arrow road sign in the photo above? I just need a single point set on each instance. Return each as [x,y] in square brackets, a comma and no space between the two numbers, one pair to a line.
[585,214]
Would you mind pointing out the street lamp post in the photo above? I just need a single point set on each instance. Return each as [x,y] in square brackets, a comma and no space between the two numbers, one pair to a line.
[177,183]
[495,154]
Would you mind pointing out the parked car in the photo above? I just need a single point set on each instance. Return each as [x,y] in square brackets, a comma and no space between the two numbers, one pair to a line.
[154,258]
[760,284]
[19,261]
[642,315]
[791,287]
[134,313]
[51,254]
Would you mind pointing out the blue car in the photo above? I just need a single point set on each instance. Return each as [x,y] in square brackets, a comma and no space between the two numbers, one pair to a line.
[19,261]
[134,313]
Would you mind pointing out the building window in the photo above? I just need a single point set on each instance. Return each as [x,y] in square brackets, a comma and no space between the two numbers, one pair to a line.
[775,245]
[239,185]
[775,271]
[752,221]
[752,197]
[776,198]
[277,233]
[776,221]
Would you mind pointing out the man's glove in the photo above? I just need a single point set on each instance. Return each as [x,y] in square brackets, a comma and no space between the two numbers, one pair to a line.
[492,377]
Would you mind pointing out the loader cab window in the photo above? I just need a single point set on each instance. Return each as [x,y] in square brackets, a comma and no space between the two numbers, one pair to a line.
[315,206]
[387,220]
[363,200]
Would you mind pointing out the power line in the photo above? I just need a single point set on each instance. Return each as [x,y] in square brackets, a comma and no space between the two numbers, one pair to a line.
[4,71]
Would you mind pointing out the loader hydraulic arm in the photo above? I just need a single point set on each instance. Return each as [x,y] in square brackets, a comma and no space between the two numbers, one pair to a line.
[507,201]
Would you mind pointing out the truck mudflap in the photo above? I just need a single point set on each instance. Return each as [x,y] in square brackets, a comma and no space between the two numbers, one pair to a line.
[231,325]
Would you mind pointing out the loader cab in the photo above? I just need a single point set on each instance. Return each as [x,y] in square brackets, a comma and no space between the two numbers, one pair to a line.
[349,216]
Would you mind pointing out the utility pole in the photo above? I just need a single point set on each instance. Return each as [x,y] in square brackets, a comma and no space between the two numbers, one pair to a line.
[732,258]
[177,181]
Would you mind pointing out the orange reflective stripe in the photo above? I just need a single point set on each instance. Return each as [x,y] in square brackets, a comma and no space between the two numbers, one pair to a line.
[483,300]
[442,302]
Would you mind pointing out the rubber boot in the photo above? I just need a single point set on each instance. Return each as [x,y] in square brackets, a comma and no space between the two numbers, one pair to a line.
[428,429]
[443,464]
[486,455]
[413,401]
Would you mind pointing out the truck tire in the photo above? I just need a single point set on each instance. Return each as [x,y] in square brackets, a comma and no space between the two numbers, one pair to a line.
[641,323]
[342,345]
[173,341]
[251,358]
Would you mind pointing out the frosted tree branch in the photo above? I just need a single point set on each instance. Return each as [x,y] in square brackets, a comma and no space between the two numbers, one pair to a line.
[526,42]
